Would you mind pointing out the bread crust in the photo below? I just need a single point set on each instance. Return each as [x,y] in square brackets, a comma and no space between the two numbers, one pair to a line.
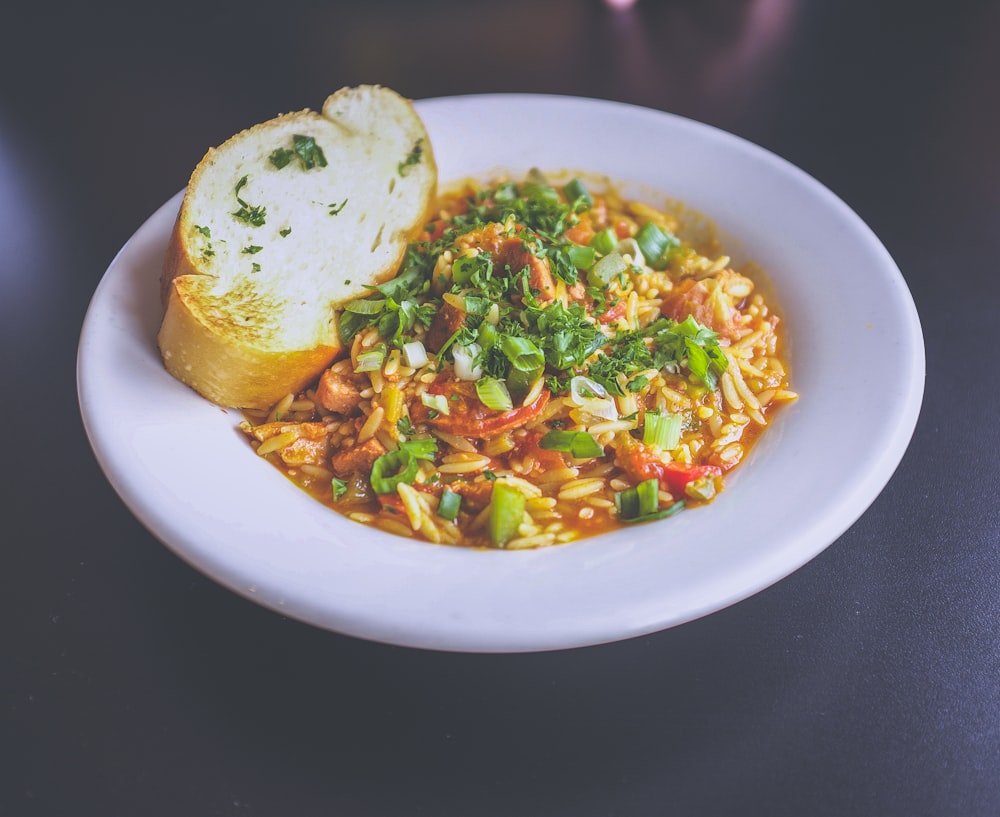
[245,337]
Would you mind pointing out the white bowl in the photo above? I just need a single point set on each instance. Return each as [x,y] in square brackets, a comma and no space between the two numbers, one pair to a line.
[857,361]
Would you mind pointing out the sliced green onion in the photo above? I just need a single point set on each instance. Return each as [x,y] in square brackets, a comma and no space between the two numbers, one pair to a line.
[465,361]
[493,394]
[487,336]
[581,257]
[649,496]
[583,388]
[506,512]
[605,241]
[650,517]
[371,361]
[414,354]
[539,191]
[602,408]
[391,469]
[630,247]
[578,444]
[449,505]
[520,383]
[575,189]
[627,503]
[607,269]
[656,244]
[423,449]
[365,306]
[641,500]
[662,430]
[522,353]
[438,402]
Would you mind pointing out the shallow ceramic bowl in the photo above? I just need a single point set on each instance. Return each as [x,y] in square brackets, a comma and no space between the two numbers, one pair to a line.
[182,468]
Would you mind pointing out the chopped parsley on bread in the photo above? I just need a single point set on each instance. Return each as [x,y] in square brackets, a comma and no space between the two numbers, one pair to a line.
[280,225]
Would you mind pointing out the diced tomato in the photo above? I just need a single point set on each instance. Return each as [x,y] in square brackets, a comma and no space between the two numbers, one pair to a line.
[623,229]
[581,233]
[641,464]
[391,502]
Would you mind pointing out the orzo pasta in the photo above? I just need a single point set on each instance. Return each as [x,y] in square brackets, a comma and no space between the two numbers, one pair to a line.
[549,363]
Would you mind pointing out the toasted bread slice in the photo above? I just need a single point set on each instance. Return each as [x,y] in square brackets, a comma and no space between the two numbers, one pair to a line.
[279,225]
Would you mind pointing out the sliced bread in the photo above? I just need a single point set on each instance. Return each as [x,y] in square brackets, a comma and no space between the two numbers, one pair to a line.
[281,224]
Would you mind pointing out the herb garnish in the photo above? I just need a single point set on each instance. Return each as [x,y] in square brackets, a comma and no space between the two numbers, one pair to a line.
[310,154]
[413,157]
[339,488]
[248,213]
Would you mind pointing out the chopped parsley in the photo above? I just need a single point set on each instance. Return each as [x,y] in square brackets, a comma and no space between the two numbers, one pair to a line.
[280,157]
[336,208]
[309,152]
[339,488]
[413,158]
[304,148]
[519,336]
[253,249]
[284,233]
[250,214]
[208,251]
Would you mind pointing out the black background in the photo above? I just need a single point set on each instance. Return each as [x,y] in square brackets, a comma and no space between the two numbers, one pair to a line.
[866,683]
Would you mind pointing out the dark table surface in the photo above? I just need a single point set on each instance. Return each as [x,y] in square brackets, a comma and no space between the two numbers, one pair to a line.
[866,683]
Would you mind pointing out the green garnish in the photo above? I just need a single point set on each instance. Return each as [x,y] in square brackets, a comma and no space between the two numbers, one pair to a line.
[522,353]
[413,158]
[651,517]
[422,449]
[506,513]
[493,394]
[641,500]
[605,241]
[280,157]
[339,488]
[607,269]
[253,249]
[656,244]
[336,208]
[371,361]
[285,232]
[575,190]
[309,152]
[662,430]
[248,213]
[578,444]
[391,469]
[449,504]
